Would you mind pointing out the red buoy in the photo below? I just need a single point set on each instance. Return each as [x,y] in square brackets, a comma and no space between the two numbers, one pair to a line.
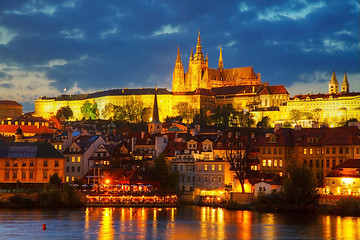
[44,227]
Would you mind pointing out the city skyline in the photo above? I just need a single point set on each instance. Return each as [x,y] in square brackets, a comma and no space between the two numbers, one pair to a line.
[85,47]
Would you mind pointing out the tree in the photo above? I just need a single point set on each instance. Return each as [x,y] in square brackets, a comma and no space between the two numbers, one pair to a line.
[65,112]
[89,110]
[133,110]
[300,186]
[185,111]
[161,171]
[264,122]
[237,154]
[55,181]
[295,115]
[224,117]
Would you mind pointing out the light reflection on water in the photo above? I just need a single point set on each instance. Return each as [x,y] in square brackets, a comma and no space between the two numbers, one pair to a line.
[188,222]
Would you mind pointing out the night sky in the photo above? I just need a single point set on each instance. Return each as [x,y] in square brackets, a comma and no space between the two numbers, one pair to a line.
[88,45]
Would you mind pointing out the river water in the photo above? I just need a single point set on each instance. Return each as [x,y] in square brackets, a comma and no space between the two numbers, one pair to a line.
[186,222]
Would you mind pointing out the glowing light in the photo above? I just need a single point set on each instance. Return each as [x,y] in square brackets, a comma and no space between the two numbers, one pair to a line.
[107,181]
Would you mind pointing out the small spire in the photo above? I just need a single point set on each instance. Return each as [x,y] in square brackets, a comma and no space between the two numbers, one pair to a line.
[191,55]
[333,84]
[345,84]
[221,64]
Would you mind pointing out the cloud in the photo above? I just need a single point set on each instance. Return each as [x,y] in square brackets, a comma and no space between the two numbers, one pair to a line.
[6,35]
[167,29]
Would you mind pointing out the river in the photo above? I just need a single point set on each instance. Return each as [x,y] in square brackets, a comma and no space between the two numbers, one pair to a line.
[185,222]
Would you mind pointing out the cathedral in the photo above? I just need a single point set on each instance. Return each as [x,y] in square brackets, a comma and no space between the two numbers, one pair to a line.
[200,76]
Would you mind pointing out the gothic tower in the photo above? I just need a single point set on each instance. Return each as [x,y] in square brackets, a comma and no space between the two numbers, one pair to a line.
[197,67]
[345,85]
[178,74]
[333,84]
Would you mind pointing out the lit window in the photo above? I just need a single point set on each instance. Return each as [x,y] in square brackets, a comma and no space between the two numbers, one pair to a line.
[67,178]
[60,147]
[280,163]
[305,151]
[311,151]
[45,175]
[213,167]
[72,159]
[205,167]
[78,159]
[269,163]
[219,167]
[264,163]
[275,163]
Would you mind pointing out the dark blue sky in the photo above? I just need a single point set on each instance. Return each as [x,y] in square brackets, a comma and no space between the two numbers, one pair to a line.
[85,46]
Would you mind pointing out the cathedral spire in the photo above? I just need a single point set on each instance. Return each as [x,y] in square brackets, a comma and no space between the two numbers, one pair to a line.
[333,84]
[191,55]
[178,58]
[199,55]
[221,64]
[345,84]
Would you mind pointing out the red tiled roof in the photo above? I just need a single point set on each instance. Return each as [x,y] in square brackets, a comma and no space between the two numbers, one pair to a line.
[325,95]
[26,129]
[351,163]
[9,102]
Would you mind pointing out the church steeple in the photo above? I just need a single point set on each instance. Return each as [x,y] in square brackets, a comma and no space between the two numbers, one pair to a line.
[333,84]
[155,126]
[191,55]
[199,55]
[221,64]
[178,58]
[345,84]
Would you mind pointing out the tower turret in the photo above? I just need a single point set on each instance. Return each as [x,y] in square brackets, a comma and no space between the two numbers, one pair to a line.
[178,74]
[345,87]
[155,126]
[333,84]
[199,55]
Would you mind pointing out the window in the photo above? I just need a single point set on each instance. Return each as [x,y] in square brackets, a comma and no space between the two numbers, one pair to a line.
[341,150]
[264,151]
[78,159]
[45,163]
[317,151]
[305,151]
[45,175]
[60,147]
[67,159]
[72,178]
[347,150]
[181,168]
[188,178]
[67,169]
[310,151]
[7,163]
[31,174]
[23,175]
[24,163]
[305,162]
[72,159]
[199,167]
[264,163]
[72,169]
[205,179]
[269,151]
[56,163]
[213,167]
[78,169]
[205,167]
[280,163]
[311,163]
[317,163]
[15,164]
[31,163]
[7,175]
[14,174]
[213,179]
[269,163]
[280,150]
[219,179]
[199,179]
[188,167]
[275,150]
[327,163]
[275,163]
[219,167]
[333,162]
[333,150]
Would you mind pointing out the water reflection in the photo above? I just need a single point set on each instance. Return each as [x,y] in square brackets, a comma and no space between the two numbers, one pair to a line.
[188,222]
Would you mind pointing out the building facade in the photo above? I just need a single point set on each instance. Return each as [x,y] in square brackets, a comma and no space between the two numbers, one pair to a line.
[30,162]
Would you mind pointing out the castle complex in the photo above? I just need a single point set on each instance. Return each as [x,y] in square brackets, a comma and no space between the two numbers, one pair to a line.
[204,88]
